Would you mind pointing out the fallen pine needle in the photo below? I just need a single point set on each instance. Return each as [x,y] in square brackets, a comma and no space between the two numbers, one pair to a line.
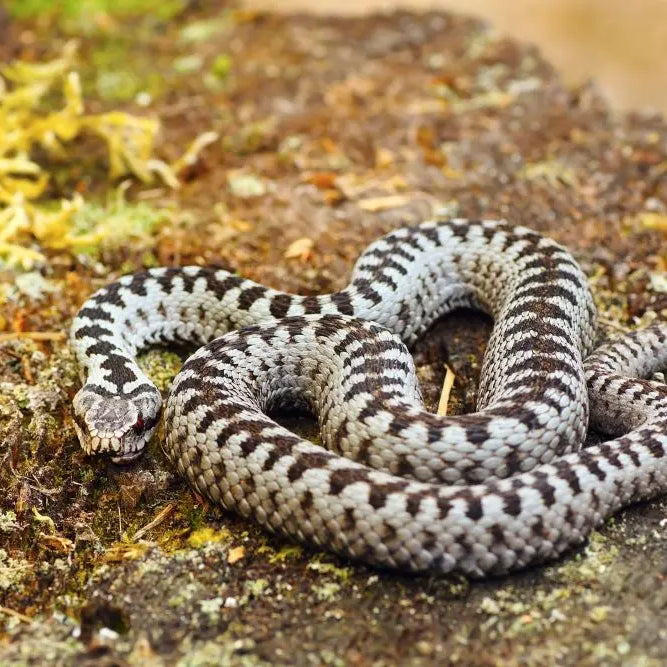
[15,614]
[162,515]
[34,335]
[447,384]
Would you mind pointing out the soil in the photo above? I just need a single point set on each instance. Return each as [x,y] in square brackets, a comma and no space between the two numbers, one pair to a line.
[333,131]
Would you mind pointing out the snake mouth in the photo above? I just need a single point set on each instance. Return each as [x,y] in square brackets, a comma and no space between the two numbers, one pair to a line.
[129,457]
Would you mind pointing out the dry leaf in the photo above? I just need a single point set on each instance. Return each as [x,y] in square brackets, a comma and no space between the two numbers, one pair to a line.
[300,249]
[382,203]
[383,158]
[123,551]
[653,221]
[235,554]
[56,543]
[329,145]
[321,179]
[332,197]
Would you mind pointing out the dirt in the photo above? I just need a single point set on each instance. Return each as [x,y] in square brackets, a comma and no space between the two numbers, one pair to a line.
[333,131]
[617,43]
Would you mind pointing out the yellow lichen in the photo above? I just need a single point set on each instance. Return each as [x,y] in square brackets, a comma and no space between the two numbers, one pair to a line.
[204,536]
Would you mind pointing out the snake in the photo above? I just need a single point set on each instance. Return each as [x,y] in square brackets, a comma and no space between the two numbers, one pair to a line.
[389,484]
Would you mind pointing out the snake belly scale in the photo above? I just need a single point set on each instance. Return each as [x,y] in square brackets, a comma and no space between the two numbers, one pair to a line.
[397,486]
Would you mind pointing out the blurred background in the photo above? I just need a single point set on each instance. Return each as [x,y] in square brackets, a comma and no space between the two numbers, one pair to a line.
[619,43]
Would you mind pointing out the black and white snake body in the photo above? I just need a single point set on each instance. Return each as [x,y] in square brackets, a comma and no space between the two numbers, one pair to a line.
[397,486]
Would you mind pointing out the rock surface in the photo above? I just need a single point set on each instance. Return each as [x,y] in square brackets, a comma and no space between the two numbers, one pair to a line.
[333,132]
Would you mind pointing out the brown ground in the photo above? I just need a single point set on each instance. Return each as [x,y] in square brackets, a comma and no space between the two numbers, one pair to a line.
[350,127]
[617,43]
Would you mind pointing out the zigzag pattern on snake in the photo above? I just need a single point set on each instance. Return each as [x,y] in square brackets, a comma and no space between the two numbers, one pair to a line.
[519,495]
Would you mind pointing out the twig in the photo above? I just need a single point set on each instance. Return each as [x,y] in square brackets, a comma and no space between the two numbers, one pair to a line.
[605,321]
[34,335]
[163,514]
[39,488]
[27,370]
[15,614]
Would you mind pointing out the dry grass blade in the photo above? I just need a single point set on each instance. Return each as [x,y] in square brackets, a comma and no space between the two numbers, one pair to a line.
[16,614]
[34,335]
[161,516]
[447,385]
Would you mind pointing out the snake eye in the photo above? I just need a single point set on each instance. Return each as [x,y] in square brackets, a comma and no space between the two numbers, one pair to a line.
[139,425]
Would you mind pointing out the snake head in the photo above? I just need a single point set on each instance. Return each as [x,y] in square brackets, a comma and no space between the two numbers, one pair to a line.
[119,426]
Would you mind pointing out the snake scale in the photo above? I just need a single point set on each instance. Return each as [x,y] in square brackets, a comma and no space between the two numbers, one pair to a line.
[396,486]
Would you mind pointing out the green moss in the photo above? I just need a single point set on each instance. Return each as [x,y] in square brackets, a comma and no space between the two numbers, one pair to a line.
[327,591]
[250,138]
[113,82]
[599,554]
[8,521]
[222,66]
[204,29]
[343,574]
[256,587]
[161,366]
[99,227]
[13,571]
[286,553]
[81,9]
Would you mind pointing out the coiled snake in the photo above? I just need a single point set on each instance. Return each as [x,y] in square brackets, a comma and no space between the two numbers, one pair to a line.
[397,486]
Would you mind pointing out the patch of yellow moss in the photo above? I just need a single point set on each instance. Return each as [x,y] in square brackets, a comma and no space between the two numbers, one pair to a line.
[203,536]
[41,107]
